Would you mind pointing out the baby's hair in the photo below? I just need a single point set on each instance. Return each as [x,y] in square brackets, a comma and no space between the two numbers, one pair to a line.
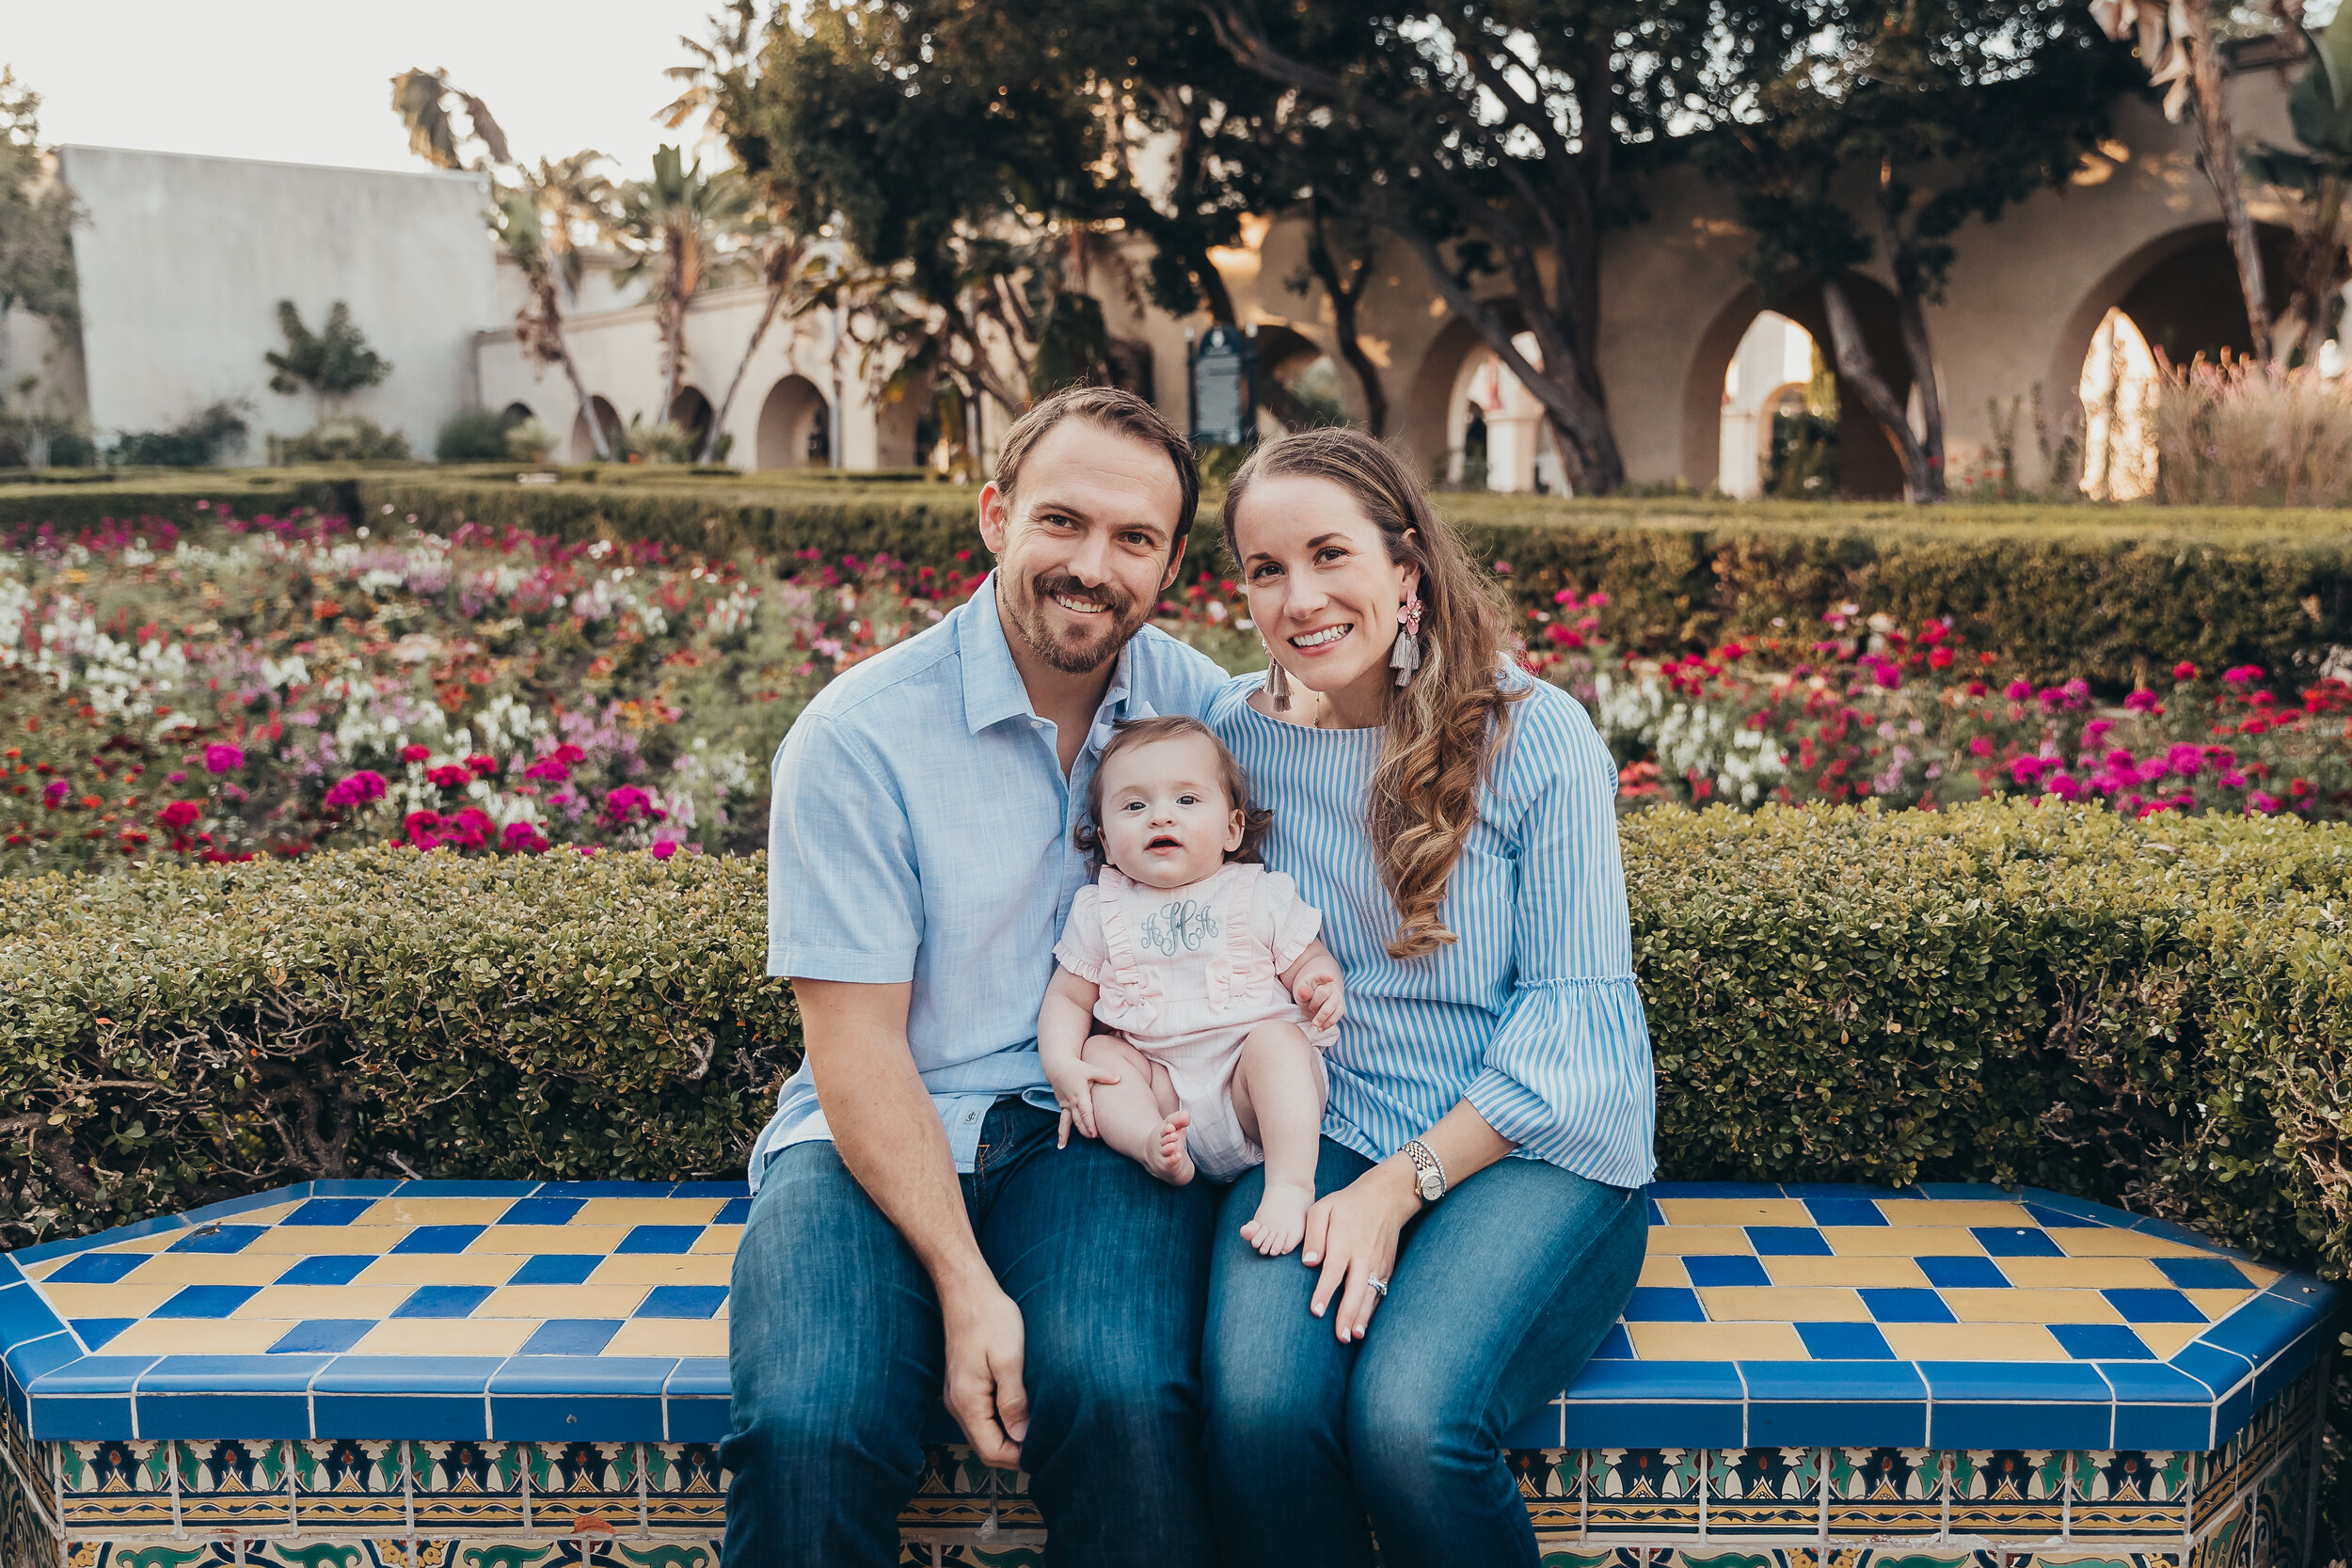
[1128,734]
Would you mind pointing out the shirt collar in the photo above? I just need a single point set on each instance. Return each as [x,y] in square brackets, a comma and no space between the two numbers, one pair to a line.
[993,689]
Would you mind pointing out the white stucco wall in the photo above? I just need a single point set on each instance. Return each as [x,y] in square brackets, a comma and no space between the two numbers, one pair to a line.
[183,260]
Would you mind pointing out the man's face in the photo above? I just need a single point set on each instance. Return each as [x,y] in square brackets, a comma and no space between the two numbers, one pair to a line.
[1082,546]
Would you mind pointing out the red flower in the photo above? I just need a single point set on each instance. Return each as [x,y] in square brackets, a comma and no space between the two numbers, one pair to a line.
[450,775]
[179,814]
[415,753]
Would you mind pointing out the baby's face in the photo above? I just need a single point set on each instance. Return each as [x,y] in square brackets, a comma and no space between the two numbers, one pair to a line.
[1166,820]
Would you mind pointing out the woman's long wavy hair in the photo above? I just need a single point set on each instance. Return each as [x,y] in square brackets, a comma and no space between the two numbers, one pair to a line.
[1443,726]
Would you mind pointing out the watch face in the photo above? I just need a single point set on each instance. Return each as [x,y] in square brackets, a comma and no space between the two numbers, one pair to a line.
[1432,1188]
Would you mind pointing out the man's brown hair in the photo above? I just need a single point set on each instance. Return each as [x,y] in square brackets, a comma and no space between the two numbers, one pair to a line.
[1126,735]
[1115,410]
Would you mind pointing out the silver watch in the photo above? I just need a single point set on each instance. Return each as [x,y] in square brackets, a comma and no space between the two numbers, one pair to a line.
[1428,1174]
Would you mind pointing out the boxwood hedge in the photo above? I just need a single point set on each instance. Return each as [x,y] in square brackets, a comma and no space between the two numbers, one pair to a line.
[2154,1013]
[2114,595]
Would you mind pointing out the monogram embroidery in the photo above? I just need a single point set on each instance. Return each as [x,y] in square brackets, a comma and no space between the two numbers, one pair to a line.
[1180,924]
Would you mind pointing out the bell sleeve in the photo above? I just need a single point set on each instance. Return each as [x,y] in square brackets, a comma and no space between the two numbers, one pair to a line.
[1567,1075]
[1081,950]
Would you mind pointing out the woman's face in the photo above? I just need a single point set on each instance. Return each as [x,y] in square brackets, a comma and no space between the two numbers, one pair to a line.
[1322,588]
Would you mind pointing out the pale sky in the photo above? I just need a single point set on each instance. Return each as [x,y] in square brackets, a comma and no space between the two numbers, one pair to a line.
[309,81]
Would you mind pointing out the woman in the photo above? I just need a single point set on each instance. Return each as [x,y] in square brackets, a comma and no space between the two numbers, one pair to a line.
[1491,1103]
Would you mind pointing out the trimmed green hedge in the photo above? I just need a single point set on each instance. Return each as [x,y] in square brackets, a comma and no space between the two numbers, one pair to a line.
[2154,1014]
[2113,595]
[2117,595]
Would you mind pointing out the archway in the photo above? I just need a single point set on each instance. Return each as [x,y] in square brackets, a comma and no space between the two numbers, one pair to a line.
[2181,292]
[690,412]
[515,413]
[1768,419]
[795,426]
[1867,467]
[1432,416]
[582,446]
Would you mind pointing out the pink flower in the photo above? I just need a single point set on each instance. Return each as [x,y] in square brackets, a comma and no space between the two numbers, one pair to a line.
[585,849]
[2244,675]
[622,803]
[522,838]
[2142,701]
[1502,568]
[2184,758]
[415,753]
[175,778]
[1939,658]
[569,754]
[55,791]
[423,829]
[2017,691]
[482,767]
[547,768]
[357,789]
[2096,731]
[2257,801]
[1980,746]
[2184,671]
[468,830]
[219,758]
[2066,786]
[664,850]
[450,775]
[2028,770]
[179,814]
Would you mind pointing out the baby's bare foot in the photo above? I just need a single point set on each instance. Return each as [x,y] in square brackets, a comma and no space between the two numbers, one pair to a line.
[1280,1220]
[1168,1159]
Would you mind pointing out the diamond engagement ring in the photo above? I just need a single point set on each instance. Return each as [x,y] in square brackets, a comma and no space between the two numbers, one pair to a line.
[1378,1284]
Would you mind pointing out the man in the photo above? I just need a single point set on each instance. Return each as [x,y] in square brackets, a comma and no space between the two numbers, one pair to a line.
[913,1226]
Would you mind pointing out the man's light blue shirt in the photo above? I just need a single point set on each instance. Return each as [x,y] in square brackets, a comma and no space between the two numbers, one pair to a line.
[920,831]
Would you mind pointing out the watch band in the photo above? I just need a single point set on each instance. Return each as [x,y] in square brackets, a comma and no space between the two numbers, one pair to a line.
[1427,1167]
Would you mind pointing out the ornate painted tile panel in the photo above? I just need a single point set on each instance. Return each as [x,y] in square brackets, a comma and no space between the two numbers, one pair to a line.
[350,1374]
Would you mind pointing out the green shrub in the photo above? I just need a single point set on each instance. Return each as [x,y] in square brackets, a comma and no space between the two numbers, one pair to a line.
[343,441]
[199,440]
[473,435]
[2152,1014]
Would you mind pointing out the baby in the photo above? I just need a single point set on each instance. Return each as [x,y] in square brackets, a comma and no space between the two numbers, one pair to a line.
[1208,965]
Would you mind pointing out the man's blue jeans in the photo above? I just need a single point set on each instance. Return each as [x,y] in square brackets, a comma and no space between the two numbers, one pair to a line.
[835,1353]
[1499,1296]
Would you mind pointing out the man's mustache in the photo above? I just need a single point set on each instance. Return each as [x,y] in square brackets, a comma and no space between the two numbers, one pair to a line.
[1071,588]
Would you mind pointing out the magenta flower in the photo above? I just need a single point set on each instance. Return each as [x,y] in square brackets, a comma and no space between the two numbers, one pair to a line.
[2017,691]
[54,792]
[423,829]
[1980,746]
[482,767]
[549,768]
[627,801]
[2141,701]
[2184,671]
[2258,802]
[2244,675]
[179,814]
[415,753]
[357,789]
[450,775]
[664,850]
[2066,786]
[468,830]
[522,838]
[221,758]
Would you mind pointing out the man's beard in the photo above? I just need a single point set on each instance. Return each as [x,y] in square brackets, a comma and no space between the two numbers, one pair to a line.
[1025,612]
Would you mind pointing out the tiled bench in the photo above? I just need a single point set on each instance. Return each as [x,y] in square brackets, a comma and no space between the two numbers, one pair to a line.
[471,1375]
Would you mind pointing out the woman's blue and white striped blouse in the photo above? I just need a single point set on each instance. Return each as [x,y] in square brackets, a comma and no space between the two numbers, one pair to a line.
[1533,1014]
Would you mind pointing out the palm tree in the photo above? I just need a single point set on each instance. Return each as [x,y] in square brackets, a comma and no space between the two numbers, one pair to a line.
[704,81]
[680,227]
[535,222]
[422,99]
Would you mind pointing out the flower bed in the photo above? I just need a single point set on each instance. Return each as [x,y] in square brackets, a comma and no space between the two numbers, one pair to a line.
[1919,719]
[276,686]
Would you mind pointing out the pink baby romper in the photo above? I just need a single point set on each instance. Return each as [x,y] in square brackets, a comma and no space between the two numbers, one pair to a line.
[1186,974]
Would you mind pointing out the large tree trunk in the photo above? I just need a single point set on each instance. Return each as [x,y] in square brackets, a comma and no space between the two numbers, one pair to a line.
[1856,370]
[541,334]
[1345,294]
[780,279]
[1910,316]
[2216,148]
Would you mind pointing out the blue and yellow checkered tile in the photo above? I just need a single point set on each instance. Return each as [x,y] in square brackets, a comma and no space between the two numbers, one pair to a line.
[1767,1317]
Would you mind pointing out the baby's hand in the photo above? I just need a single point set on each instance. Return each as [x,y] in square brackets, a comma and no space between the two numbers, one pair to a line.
[1317,990]
[1075,1088]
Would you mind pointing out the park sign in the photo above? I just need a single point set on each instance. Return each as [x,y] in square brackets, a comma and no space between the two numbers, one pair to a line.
[1222,369]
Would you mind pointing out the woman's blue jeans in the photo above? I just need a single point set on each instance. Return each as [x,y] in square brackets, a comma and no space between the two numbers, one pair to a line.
[1499,1296]
[835,1353]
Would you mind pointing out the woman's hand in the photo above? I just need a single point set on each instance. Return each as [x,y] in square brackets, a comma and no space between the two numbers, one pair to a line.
[1353,1234]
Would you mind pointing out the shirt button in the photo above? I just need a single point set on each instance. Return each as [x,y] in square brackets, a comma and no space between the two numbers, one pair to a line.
[971,1116]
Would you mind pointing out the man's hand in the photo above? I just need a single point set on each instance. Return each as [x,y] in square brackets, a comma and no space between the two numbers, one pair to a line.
[1315,986]
[1073,1080]
[984,1390]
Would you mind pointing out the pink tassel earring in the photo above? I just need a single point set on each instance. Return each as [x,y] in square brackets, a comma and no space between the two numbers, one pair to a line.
[1404,654]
